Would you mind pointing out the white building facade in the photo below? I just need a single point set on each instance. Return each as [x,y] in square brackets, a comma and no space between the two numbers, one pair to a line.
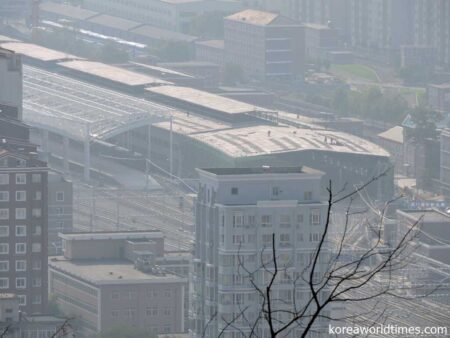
[238,212]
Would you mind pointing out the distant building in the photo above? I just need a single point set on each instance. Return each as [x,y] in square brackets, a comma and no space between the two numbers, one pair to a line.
[60,211]
[265,45]
[176,15]
[439,97]
[21,325]
[392,141]
[237,211]
[210,51]
[14,9]
[445,162]
[119,277]
[11,84]
[418,56]
[319,39]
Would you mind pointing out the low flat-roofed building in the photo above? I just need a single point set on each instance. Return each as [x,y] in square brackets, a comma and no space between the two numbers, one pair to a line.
[124,78]
[208,71]
[210,51]
[106,278]
[56,11]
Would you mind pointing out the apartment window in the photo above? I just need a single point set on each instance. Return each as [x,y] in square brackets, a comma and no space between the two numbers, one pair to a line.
[285,237]
[36,247]
[4,213]
[21,283]
[152,294]
[4,231]
[37,282]
[307,195]
[285,221]
[167,311]
[60,196]
[238,239]
[4,266]
[21,196]
[4,162]
[36,178]
[21,265]
[21,248]
[21,178]
[36,299]
[21,230]
[22,300]
[115,313]
[234,191]
[4,283]
[276,191]
[132,295]
[37,230]
[167,293]
[130,313]
[115,295]
[4,196]
[21,213]
[37,195]
[266,221]
[4,179]
[315,217]
[267,238]
[37,265]
[151,311]
[314,237]
[299,219]
[251,220]
[4,248]
[238,219]
[36,212]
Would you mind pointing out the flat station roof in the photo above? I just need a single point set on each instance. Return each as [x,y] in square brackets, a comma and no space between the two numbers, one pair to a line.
[206,99]
[73,12]
[37,52]
[113,73]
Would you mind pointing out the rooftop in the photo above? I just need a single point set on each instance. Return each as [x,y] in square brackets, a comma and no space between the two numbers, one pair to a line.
[114,235]
[108,272]
[114,22]
[113,73]
[256,17]
[261,171]
[205,99]
[103,111]
[156,33]
[441,86]
[395,134]
[220,44]
[256,141]
[37,52]
[73,12]
[428,215]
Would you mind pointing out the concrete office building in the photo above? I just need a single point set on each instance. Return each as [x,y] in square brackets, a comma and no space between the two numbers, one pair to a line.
[319,39]
[60,211]
[10,84]
[176,15]
[106,278]
[266,45]
[237,212]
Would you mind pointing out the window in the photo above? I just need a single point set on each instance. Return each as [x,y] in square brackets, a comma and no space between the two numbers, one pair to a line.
[152,294]
[115,295]
[285,237]
[21,196]
[21,213]
[315,217]
[37,282]
[36,299]
[4,196]
[307,195]
[276,191]
[60,196]
[167,293]
[37,230]
[314,237]
[4,283]
[21,248]
[37,265]
[238,219]
[4,265]
[4,213]
[4,231]
[151,311]
[4,179]
[36,212]
[130,313]
[22,300]
[299,219]
[37,195]
[21,265]
[238,239]
[4,248]
[267,238]
[285,221]
[266,221]
[234,191]
[115,313]
[36,247]
[21,178]
[21,283]
[36,178]
[167,311]
[21,230]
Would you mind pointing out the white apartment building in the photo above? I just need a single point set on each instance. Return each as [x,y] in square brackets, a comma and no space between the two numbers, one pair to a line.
[237,212]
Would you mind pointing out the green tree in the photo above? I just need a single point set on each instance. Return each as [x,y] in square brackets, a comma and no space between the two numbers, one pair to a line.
[125,332]
[233,74]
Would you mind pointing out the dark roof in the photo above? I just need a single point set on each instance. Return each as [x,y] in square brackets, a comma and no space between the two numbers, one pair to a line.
[262,170]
